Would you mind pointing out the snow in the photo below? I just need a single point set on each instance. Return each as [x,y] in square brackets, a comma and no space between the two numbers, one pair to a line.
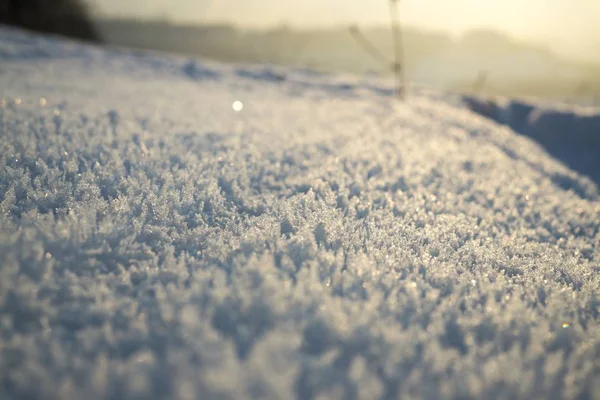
[571,134]
[324,241]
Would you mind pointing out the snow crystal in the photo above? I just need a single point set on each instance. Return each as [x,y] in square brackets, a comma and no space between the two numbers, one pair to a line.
[327,242]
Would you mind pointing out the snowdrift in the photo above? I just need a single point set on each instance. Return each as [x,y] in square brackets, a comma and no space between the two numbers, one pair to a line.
[570,134]
[326,241]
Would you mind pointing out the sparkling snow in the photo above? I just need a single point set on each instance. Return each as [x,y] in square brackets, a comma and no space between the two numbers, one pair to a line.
[328,241]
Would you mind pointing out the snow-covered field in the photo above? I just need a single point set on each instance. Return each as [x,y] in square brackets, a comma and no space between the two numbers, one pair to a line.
[325,241]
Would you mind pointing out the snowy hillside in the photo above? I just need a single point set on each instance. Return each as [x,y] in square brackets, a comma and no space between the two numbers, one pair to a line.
[323,241]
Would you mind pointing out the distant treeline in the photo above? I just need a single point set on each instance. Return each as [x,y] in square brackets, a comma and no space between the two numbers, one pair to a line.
[330,48]
[511,67]
[508,66]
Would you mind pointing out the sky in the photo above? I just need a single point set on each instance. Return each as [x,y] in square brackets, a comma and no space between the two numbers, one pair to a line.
[569,25]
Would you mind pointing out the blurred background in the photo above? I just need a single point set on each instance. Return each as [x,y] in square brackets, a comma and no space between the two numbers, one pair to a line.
[541,48]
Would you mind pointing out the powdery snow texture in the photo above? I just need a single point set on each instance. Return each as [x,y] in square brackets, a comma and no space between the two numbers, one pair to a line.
[324,242]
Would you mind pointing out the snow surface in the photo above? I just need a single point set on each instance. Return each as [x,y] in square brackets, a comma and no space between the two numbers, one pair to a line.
[571,134]
[326,241]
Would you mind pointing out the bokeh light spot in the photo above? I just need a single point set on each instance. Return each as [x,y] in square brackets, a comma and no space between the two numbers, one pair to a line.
[238,106]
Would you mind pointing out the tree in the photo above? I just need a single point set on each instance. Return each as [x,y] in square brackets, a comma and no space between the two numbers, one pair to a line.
[63,17]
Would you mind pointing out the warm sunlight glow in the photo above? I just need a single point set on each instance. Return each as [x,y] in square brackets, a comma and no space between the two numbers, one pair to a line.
[570,25]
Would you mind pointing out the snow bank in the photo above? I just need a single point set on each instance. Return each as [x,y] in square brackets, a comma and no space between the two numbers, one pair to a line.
[324,242]
[570,134]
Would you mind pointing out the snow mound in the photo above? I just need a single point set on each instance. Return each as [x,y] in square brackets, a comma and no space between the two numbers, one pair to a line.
[325,241]
[570,134]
